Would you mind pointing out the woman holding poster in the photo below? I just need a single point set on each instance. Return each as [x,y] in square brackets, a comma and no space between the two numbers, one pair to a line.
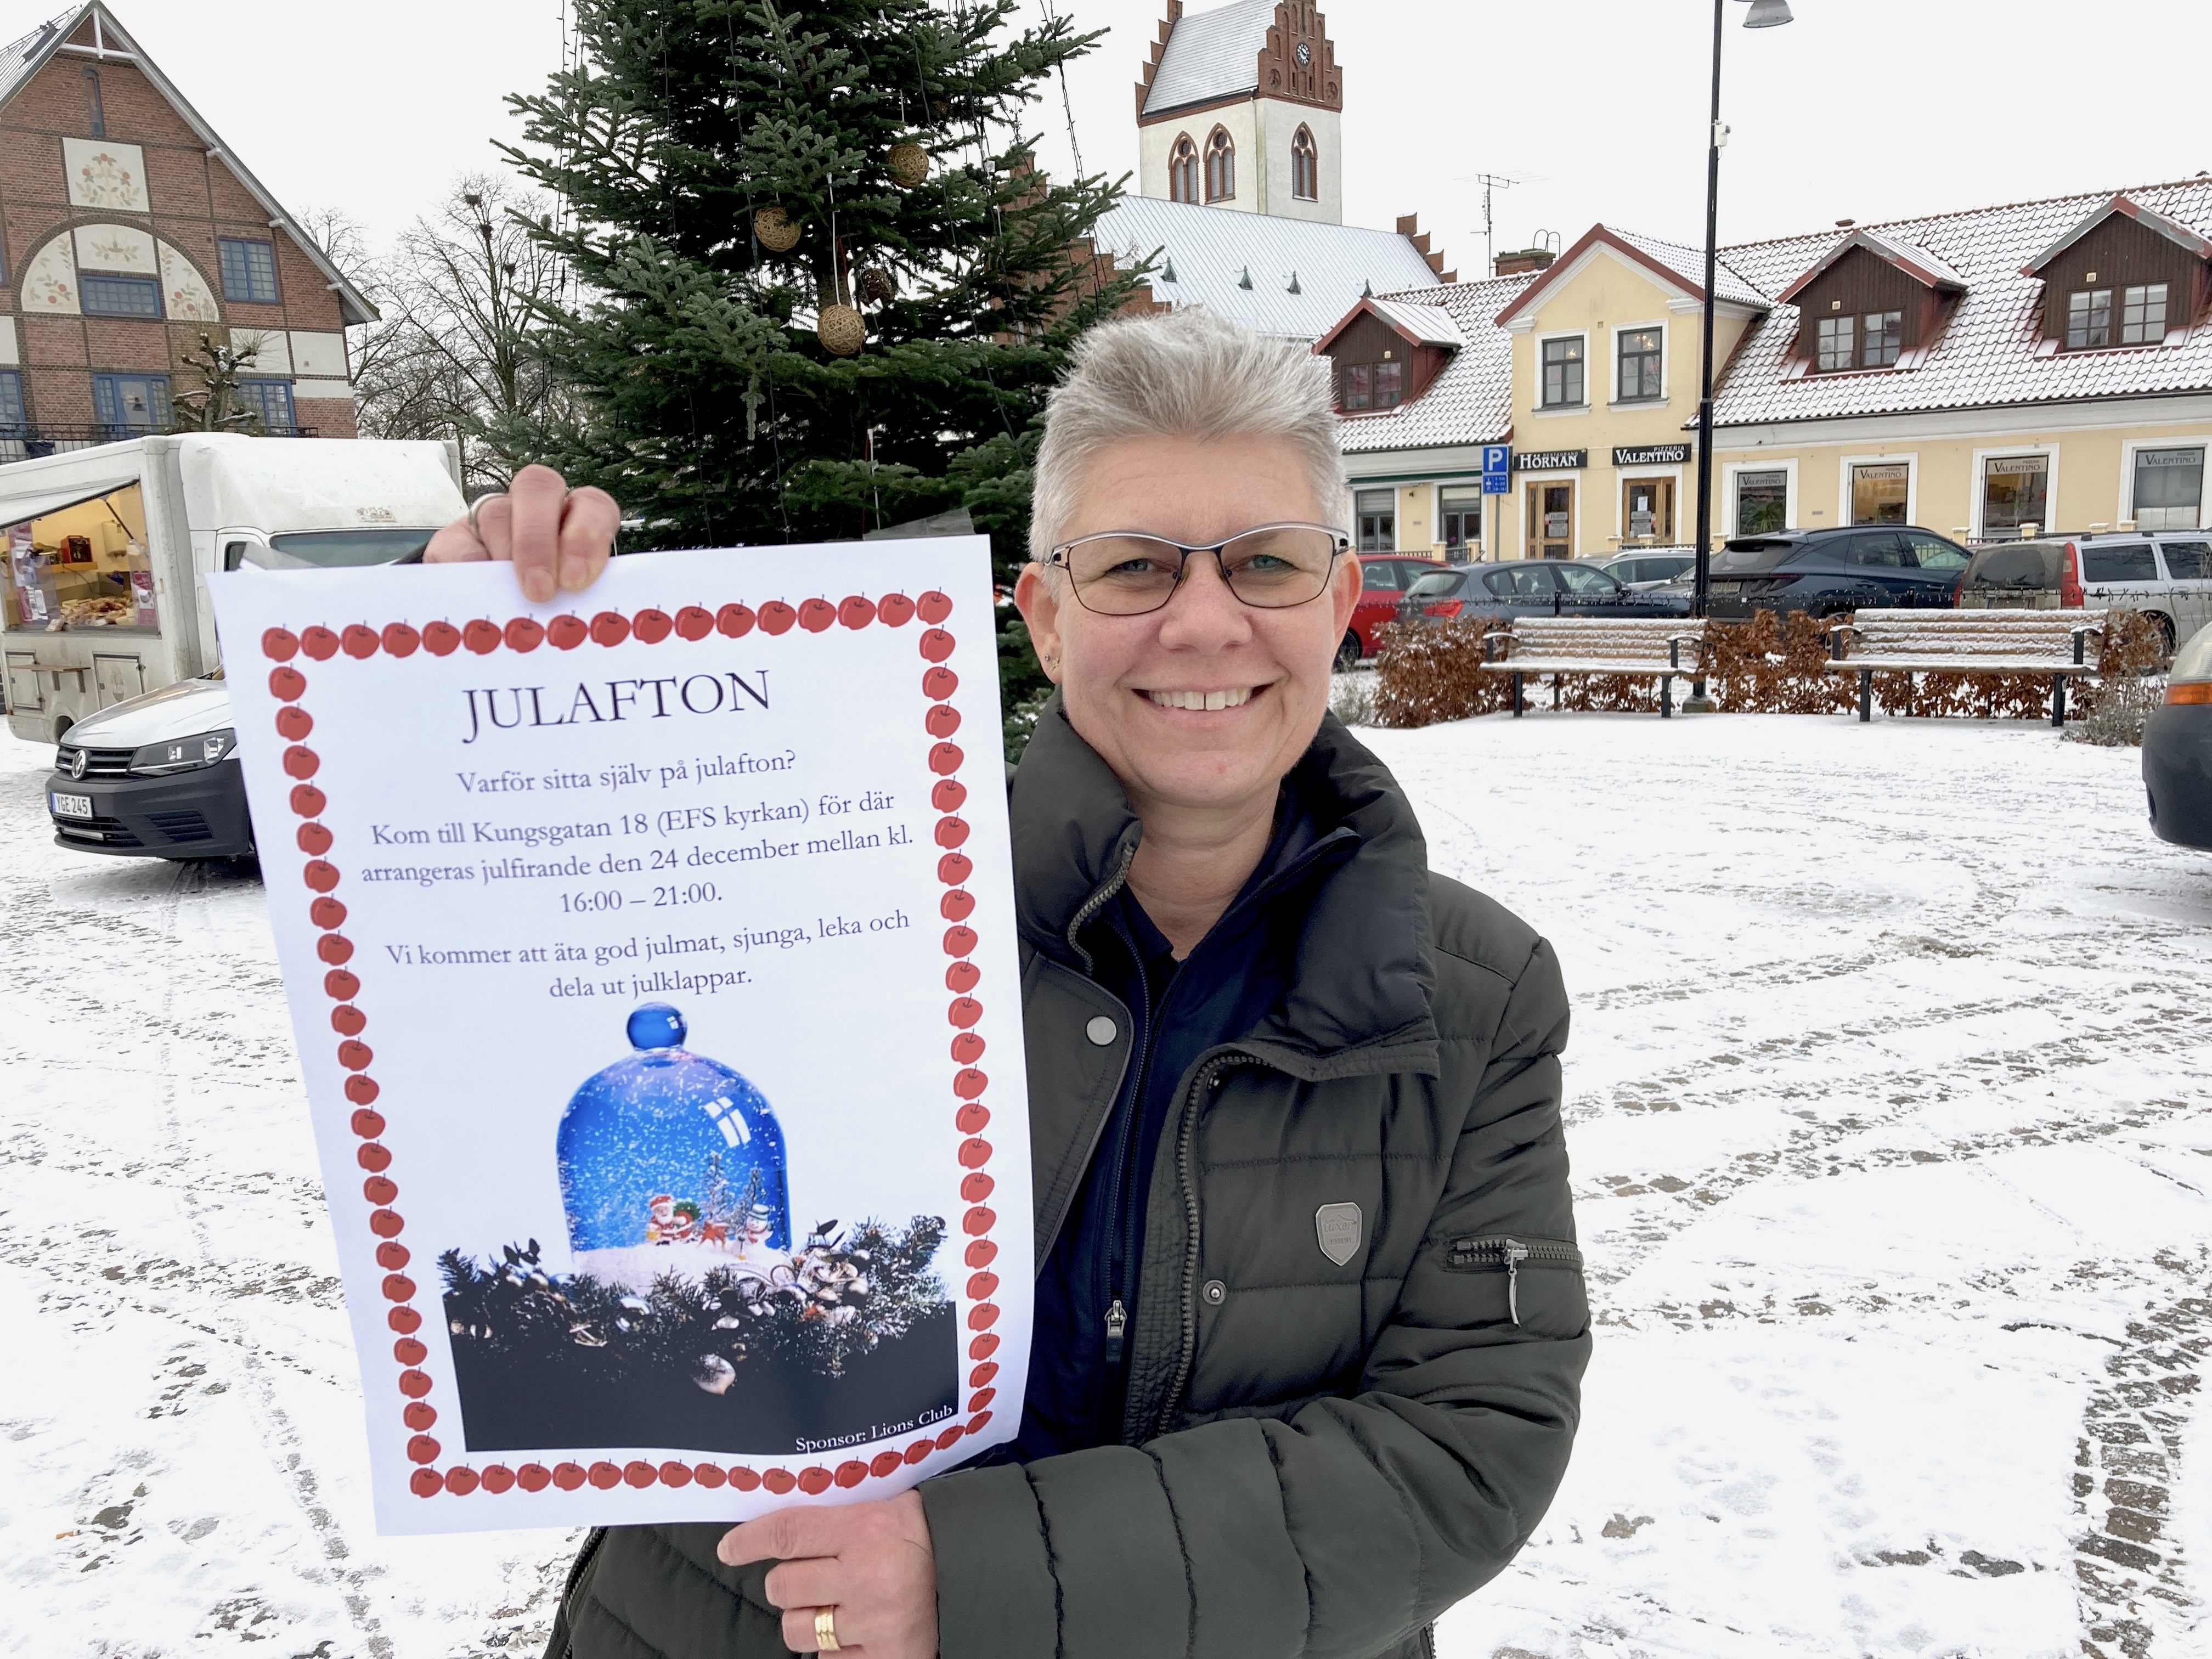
[1309,1322]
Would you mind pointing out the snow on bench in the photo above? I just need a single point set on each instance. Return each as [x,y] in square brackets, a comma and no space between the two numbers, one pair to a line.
[1630,646]
[1910,642]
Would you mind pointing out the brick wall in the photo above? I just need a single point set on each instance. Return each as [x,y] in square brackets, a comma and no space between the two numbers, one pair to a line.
[193,200]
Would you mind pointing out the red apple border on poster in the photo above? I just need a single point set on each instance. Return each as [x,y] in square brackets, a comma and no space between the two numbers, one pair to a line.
[650,627]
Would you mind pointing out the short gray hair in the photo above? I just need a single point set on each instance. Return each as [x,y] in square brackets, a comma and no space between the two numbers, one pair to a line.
[1188,374]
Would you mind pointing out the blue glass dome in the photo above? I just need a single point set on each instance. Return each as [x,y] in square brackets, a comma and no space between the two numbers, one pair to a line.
[668,1148]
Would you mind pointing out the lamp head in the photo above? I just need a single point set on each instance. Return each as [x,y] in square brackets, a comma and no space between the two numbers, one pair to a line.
[1767,14]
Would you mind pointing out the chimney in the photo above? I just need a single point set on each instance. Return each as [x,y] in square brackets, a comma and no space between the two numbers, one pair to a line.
[1524,261]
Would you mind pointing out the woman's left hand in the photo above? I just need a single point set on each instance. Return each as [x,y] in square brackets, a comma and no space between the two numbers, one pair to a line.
[871,1564]
[557,538]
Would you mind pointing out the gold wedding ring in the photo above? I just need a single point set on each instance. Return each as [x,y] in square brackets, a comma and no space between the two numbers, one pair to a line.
[825,1629]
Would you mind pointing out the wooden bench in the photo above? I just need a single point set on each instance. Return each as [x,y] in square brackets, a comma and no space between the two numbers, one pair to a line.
[1914,642]
[1638,647]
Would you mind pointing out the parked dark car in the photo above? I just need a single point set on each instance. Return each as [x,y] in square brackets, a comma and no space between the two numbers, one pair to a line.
[1531,587]
[1383,581]
[1833,570]
[2176,749]
[2165,574]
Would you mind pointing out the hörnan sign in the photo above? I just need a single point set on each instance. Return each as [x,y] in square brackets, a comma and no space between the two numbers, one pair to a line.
[1650,454]
[1550,460]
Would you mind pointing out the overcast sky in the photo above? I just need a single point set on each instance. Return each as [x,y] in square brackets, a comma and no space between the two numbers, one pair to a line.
[1873,109]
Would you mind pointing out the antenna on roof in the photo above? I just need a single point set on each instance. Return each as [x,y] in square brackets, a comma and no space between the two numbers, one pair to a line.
[1490,182]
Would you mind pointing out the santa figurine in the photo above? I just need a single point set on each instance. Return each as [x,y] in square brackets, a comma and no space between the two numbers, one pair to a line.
[686,1222]
[660,1219]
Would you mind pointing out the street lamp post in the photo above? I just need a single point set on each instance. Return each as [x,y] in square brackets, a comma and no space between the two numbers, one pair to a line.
[1763,15]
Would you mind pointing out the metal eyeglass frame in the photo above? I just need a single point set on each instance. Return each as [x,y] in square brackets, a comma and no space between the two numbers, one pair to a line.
[1056,558]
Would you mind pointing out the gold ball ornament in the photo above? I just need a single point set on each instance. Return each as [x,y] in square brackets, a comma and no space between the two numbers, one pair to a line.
[774,230]
[908,163]
[840,329]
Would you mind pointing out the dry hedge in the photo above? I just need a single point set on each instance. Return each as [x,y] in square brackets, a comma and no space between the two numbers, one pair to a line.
[1769,664]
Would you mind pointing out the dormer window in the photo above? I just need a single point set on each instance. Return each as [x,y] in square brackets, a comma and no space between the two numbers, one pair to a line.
[1873,302]
[1872,339]
[1374,386]
[1838,344]
[2143,314]
[1885,337]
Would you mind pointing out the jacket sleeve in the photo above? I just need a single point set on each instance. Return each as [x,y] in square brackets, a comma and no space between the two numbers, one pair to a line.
[1347,1523]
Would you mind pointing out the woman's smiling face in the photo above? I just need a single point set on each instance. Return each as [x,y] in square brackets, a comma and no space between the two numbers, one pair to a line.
[1128,681]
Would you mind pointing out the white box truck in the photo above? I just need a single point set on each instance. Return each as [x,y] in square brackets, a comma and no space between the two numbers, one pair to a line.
[109,643]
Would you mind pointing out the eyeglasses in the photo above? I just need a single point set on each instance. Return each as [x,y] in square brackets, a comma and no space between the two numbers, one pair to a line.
[1271,567]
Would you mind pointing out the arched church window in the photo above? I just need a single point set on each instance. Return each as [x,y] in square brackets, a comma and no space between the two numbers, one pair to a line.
[1306,166]
[1220,166]
[1182,171]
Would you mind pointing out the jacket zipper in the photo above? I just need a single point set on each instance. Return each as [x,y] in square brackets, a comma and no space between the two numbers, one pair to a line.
[576,1571]
[1488,1254]
[1091,906]
[1118,1263]
[1208,1079]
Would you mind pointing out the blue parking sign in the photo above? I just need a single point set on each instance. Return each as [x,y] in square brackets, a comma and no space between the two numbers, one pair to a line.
[1496,469]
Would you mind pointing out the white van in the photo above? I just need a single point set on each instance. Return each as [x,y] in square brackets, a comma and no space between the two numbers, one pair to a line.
[110,641]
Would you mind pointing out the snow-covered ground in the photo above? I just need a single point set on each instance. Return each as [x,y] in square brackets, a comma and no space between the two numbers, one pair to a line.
[1890,1099]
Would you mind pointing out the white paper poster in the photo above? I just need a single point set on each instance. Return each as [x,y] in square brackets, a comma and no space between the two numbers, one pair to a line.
[652,962]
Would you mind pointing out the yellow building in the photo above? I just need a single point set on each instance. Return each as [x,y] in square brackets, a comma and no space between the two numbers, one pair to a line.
[2047,364]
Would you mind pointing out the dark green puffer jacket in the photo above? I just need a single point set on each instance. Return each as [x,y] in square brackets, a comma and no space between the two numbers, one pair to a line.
[1318,1457]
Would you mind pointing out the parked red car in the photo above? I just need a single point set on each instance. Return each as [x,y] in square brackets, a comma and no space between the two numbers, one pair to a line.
[1384,578]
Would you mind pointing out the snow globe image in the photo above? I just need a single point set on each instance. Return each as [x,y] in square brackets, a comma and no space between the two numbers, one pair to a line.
[690,1313]
[670,1163]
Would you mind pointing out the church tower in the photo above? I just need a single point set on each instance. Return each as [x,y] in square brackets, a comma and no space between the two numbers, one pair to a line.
[1241,108]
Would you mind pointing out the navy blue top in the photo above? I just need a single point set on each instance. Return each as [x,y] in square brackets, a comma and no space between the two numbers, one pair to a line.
[1236,975]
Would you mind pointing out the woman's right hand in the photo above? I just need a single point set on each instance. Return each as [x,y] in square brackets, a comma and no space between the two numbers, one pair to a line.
[558,538]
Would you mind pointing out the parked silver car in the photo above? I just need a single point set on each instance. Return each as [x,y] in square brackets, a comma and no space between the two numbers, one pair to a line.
[1650,566]
[2164,573]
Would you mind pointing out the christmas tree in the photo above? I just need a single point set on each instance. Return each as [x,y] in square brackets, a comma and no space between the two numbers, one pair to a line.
[822,288]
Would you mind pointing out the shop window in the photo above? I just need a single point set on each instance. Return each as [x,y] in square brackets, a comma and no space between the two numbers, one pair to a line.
[271,400]
[1377,512]
[1563,373]
[249,269]
[1762,502]
[1647,509]
[2169,492]
[1837,340]
[2014,488]
[1306,166]
[1884,337]
[11,403]
[119,296]
[1461,512]
[1640,364]
[1182,171]
[2143,314]
[1878,493]
[127,404]
[2089,319]
[1220,167]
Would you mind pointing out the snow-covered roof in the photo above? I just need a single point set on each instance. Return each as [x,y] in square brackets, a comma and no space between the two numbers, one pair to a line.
[1910,258]
[20,59]
[1214,252]
[1989,350]
[1470,401]
[1212,54]
[1427,324]
[2179,235]
[1671,261]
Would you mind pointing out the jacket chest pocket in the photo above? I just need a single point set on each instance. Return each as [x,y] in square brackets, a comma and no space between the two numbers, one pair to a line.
[1544,1260]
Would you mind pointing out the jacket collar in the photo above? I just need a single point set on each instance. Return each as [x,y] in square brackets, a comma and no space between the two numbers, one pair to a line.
[1359,996]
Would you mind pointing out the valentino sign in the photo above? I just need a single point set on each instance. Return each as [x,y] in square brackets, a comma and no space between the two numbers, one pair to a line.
[1650,454]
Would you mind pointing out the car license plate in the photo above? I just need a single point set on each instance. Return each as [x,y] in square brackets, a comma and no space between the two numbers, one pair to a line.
[71,806]
[1727,587]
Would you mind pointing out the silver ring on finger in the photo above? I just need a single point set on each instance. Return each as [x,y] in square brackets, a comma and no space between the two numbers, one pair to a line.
[476,506]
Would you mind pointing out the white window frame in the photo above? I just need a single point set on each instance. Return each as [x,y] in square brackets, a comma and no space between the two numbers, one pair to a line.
[1908,458]
[1978,502]
[1541,408]
[1787,467]
[1666,364]
[2127,448]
